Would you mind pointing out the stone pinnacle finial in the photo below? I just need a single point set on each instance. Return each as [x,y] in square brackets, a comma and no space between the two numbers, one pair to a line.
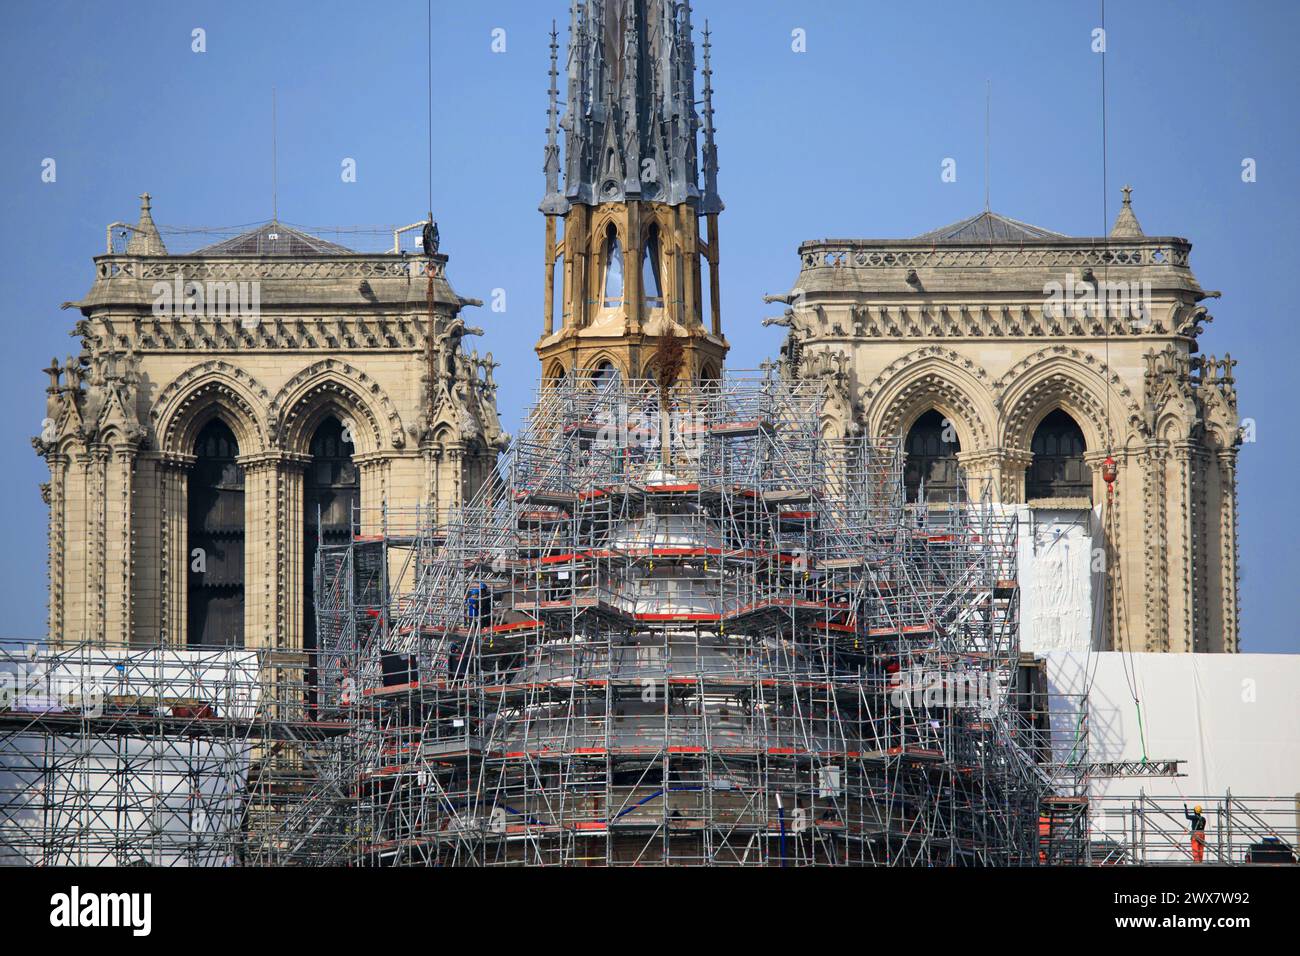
[710,202]
[145,240]
[1126,223]
[553,203]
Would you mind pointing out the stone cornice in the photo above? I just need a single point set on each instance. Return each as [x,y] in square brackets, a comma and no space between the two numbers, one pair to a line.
[203,268]
[273,329]
[991,320]
[366,283]
[908,270]
[1166,251]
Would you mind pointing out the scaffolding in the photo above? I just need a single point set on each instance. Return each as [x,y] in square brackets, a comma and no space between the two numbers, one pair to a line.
[688,632]
[154,756]
[677,629]
[1148,830]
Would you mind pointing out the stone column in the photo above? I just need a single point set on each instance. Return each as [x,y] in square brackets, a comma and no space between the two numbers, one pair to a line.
[1227,517]
[1181,536]
[74,558]
[1113,574]
[581,288]
[981,468]
[1130,525]
[548,326]
[455,462]
[1203,570]
[715,292]
[173,547]
[1155,548]
[56,498]
[264,518]
[1010,475]
[274,535]
[633,296]
[96,466]
[433,486]
[119,543]
[293,568]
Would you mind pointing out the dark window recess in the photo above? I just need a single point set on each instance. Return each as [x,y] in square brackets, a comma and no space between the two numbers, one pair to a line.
[215,557]
[651,287]
[931,449]
[1058,469]
[613,297]
[331,488]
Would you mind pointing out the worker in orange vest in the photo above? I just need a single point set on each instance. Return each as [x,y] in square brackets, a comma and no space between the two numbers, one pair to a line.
[1198,832]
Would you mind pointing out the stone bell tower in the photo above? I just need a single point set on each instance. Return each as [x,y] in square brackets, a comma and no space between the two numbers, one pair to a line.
[637,257]
[234,406]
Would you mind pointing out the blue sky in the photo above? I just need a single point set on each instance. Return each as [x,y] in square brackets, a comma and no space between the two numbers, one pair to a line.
[845,139]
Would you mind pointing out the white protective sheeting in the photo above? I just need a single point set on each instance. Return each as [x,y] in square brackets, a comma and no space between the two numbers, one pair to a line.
[1060,574]
[175,799]
[1234,719]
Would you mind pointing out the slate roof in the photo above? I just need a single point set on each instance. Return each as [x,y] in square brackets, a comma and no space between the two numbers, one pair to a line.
[990,227]
[274,239]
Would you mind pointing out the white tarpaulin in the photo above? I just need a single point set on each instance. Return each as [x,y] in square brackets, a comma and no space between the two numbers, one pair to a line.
[1234,719]
[1060,577]
[172,798]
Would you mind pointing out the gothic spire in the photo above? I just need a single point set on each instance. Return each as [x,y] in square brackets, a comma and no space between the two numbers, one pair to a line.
[630,125]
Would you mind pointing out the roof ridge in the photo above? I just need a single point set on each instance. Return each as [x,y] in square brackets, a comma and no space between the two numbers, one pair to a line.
[989,226]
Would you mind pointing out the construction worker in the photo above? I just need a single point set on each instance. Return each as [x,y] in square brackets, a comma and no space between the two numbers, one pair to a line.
[478,603]
[1198,832]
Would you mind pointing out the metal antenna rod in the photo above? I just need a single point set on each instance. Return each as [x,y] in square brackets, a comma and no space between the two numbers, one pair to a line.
[429,24]
[988,109]
[275,182]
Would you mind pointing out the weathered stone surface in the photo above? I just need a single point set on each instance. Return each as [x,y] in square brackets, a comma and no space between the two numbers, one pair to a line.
[333,333]
[964,321]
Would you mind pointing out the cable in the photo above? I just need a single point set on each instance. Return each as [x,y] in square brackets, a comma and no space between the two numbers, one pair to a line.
[1130,672]
[1105,228]
[429,18]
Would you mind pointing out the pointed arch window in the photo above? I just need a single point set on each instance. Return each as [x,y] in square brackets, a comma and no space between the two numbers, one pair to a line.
[651,284]
[215,555]
[613,294]
[603,374]
[931,467]
[1058,469]
[331,489]
[557,289]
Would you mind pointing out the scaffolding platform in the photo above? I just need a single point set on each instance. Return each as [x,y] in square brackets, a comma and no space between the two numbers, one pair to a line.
[679,652]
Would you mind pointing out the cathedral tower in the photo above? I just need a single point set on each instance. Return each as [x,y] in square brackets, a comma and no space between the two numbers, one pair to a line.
[632,263]
[232,407]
